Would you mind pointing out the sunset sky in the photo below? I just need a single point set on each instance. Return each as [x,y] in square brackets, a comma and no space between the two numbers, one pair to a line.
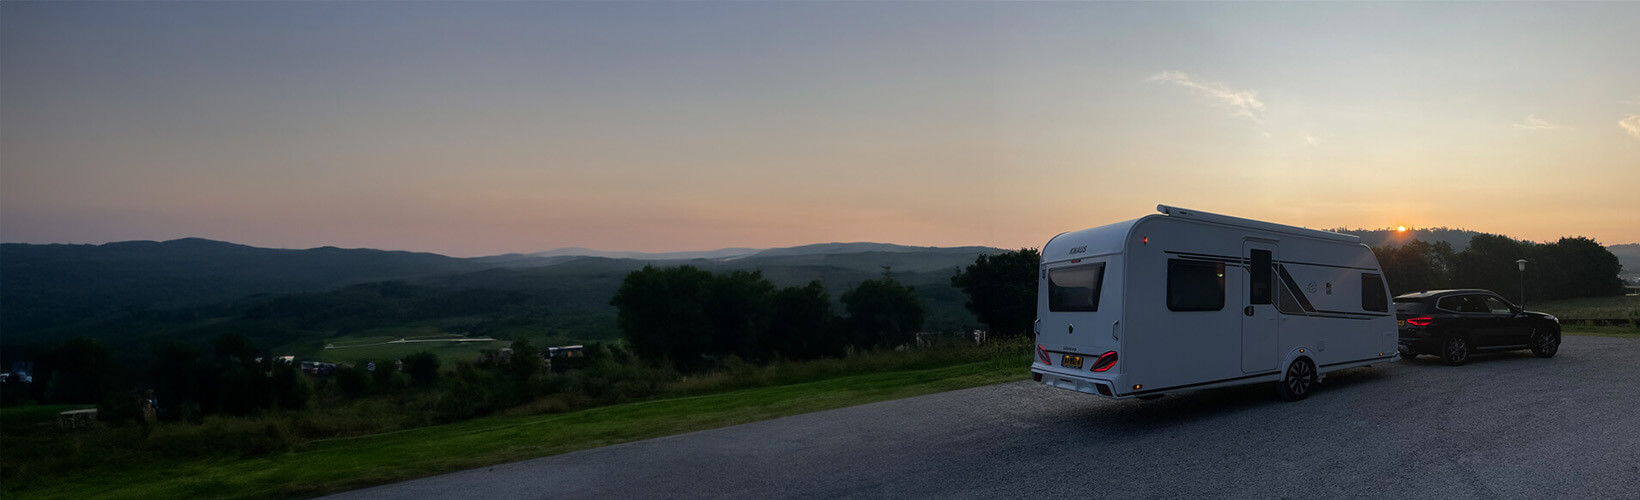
[480,128]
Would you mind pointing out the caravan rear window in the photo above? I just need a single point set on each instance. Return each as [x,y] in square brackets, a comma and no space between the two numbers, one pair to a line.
[1075,288]
[1194,285]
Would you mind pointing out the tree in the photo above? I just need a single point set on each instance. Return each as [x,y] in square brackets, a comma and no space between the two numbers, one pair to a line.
[686,314]
[79,371]
[290,389]
[1574,267]
[526,360]
[739,307]
[663,312]
[802,325]
[354,381]
[1001,290]
[883,313]
[176,376]
[1416,266]
[422,367]
[1489,263]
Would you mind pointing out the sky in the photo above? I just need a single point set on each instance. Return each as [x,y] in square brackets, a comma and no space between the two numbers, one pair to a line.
[482,128]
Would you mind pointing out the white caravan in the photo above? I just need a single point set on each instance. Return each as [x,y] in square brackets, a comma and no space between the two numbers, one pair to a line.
[1191,300]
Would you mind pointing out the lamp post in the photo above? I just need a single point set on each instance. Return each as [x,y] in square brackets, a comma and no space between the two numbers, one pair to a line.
[1522,265]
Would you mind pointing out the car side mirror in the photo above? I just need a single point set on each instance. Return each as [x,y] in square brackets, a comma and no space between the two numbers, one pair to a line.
[1516,310]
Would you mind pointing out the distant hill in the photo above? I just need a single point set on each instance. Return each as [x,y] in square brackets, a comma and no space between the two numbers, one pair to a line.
[558,255]
[133,293]
[862,247]
[42,286]
[587,252]
[1628,255]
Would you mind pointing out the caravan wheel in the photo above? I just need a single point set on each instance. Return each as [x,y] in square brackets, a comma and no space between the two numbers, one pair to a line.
[1299,380]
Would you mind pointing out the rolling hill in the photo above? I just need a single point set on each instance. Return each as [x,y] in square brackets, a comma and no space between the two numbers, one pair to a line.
[1629,256]
[45,286]
[133,294]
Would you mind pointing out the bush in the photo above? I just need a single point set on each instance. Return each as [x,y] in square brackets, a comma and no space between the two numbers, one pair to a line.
[353,381]
[422,368]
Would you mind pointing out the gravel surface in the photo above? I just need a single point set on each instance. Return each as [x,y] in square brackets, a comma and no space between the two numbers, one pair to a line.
[1506,425]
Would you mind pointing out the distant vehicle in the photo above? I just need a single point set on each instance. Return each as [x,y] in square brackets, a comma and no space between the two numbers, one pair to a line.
[1193,300]
[1455,324]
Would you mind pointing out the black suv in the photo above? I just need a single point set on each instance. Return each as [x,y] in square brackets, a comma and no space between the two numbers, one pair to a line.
[1453,324]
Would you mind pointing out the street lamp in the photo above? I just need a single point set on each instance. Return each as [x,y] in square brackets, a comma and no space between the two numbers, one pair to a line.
[1522,265]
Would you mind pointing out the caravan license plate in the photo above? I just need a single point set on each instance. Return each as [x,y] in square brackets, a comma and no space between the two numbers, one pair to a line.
[1071,362]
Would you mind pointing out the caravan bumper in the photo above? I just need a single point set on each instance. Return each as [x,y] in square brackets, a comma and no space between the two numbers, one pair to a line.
[1078,382]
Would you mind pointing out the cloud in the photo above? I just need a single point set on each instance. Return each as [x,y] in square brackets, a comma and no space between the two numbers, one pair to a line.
[1631,124]
[1535,123]
[1243,103]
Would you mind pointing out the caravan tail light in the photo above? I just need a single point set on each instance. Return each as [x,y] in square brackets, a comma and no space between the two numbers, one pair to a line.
[1042,354]
[1105,361]
[1420,321]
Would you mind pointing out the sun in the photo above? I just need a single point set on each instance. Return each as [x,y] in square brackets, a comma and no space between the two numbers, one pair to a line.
[1400,229]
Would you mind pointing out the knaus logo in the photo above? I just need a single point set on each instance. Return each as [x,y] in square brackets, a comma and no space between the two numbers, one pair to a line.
[1080,249]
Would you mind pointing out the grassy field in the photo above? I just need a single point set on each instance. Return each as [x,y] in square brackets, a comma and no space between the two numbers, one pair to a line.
[325,466]
[448,352]
[1601,331]
[1594,308]
[1591,308]
[374,345]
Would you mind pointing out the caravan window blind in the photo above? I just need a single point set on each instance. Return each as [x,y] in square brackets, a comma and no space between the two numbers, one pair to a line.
[1075,288]
[1195,285]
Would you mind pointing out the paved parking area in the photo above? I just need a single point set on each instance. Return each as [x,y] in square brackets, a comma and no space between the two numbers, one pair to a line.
[1504,426]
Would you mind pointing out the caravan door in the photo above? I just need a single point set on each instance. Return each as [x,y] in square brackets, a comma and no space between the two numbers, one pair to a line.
[1258,321]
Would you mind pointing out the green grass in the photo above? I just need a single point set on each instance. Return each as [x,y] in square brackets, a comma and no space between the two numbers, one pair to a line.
[326,466]
[448,352]
[1591,307]
[25,416]
[1601,331]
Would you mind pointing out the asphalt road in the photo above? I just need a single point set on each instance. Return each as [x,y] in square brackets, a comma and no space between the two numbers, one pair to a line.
[1506,425]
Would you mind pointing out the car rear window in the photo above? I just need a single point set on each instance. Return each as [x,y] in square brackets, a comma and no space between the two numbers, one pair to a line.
[1408,305]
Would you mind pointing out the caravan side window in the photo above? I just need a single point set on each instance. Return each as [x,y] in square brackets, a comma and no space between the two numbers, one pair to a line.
[1195,285]
[1075,288]
[1372,293]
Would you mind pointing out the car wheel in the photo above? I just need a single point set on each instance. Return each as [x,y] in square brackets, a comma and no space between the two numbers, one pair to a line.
[1407,353]
[1545,343]
[1298,381]
[1455,351]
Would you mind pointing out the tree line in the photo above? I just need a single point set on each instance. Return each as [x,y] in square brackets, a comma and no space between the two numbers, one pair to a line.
[690,317]
[1570,267]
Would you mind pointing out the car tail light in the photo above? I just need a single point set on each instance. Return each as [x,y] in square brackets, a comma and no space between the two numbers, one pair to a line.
[1420,321]
[1105,361]
[1042,354]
